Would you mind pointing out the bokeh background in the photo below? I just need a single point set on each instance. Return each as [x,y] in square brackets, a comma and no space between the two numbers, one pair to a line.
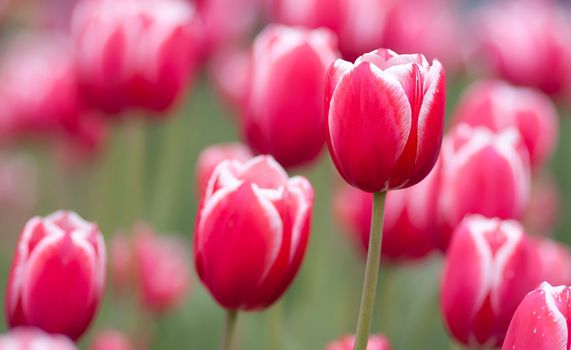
[144,171]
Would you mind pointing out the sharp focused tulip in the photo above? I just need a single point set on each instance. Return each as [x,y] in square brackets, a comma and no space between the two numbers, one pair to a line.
[134,54]
[57,276]
[480,172]
[163,269]
[212,156]
[498,105]
[408,221]
[110,340]
[526,42]
[488,271]
[554,262]
[541,321]
[32,338]
[251,232]
[385,118]
[283,115]
[376,342]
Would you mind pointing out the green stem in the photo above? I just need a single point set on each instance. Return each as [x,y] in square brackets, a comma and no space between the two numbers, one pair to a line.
[135,170]
[229,329]
[275,327]
[371,272]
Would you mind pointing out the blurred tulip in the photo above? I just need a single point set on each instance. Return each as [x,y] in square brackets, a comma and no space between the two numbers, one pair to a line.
[18,184]
[487,272]
[385,118]
[498,105]
[431,27]
[283,115]
[376,342]
[251,232]
[541,320]
[554,262]
[162,267]
[226,22]
[545,206]
[110,340]
[230,71]
[480,172]
[121,261]
[211,156]
[408,222]
[38,87]
[57,276]
[32,338]
[134,54]
[526,43]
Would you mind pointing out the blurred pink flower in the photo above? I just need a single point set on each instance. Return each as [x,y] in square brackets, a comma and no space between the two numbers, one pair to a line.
[110,340]
[545,206]
[23,338]
[376,342]
[554,261]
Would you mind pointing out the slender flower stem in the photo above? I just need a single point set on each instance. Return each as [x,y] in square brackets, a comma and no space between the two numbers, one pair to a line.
[135,170]
[371,272]
[229,329]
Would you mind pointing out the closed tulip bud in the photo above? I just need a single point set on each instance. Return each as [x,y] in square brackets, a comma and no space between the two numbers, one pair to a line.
[134,54]
[212,156]
[251,232]
[24,338]
[163,269]
[385,118]
[283,115]
[376,342]
[110,340]
[541,320]
[498,106]
[408,230]
[554,262]
[488,270]
[57,276]
[525,42]
[480,172]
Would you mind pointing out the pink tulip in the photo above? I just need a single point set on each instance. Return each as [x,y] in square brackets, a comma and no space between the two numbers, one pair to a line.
[541,321]
[163,269]
[431,27]
[230,70]
[134,54]
[488,271]
[32,338]
[376,342]
[251,232]
[408,222]
[283,115]
[212,156]
[385,118]
[480,172]
[38,87]
[110,340]
[121,261]
[554,262]
[498,105]
[526,43]
[57,276]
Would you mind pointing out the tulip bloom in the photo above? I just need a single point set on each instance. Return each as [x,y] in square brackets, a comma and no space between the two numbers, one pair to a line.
[110,340]
[32,338]
[256,207]
[498,105]
[212,156]
[162,268]
[376,342]
[385,118]
[134,54]
[57,276]
[541,320]
[480,172]
[526,43]
[488,271]
[283,115]
[554,262]
[408,221]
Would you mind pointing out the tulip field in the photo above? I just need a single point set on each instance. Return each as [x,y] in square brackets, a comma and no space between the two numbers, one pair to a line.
[285,174]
